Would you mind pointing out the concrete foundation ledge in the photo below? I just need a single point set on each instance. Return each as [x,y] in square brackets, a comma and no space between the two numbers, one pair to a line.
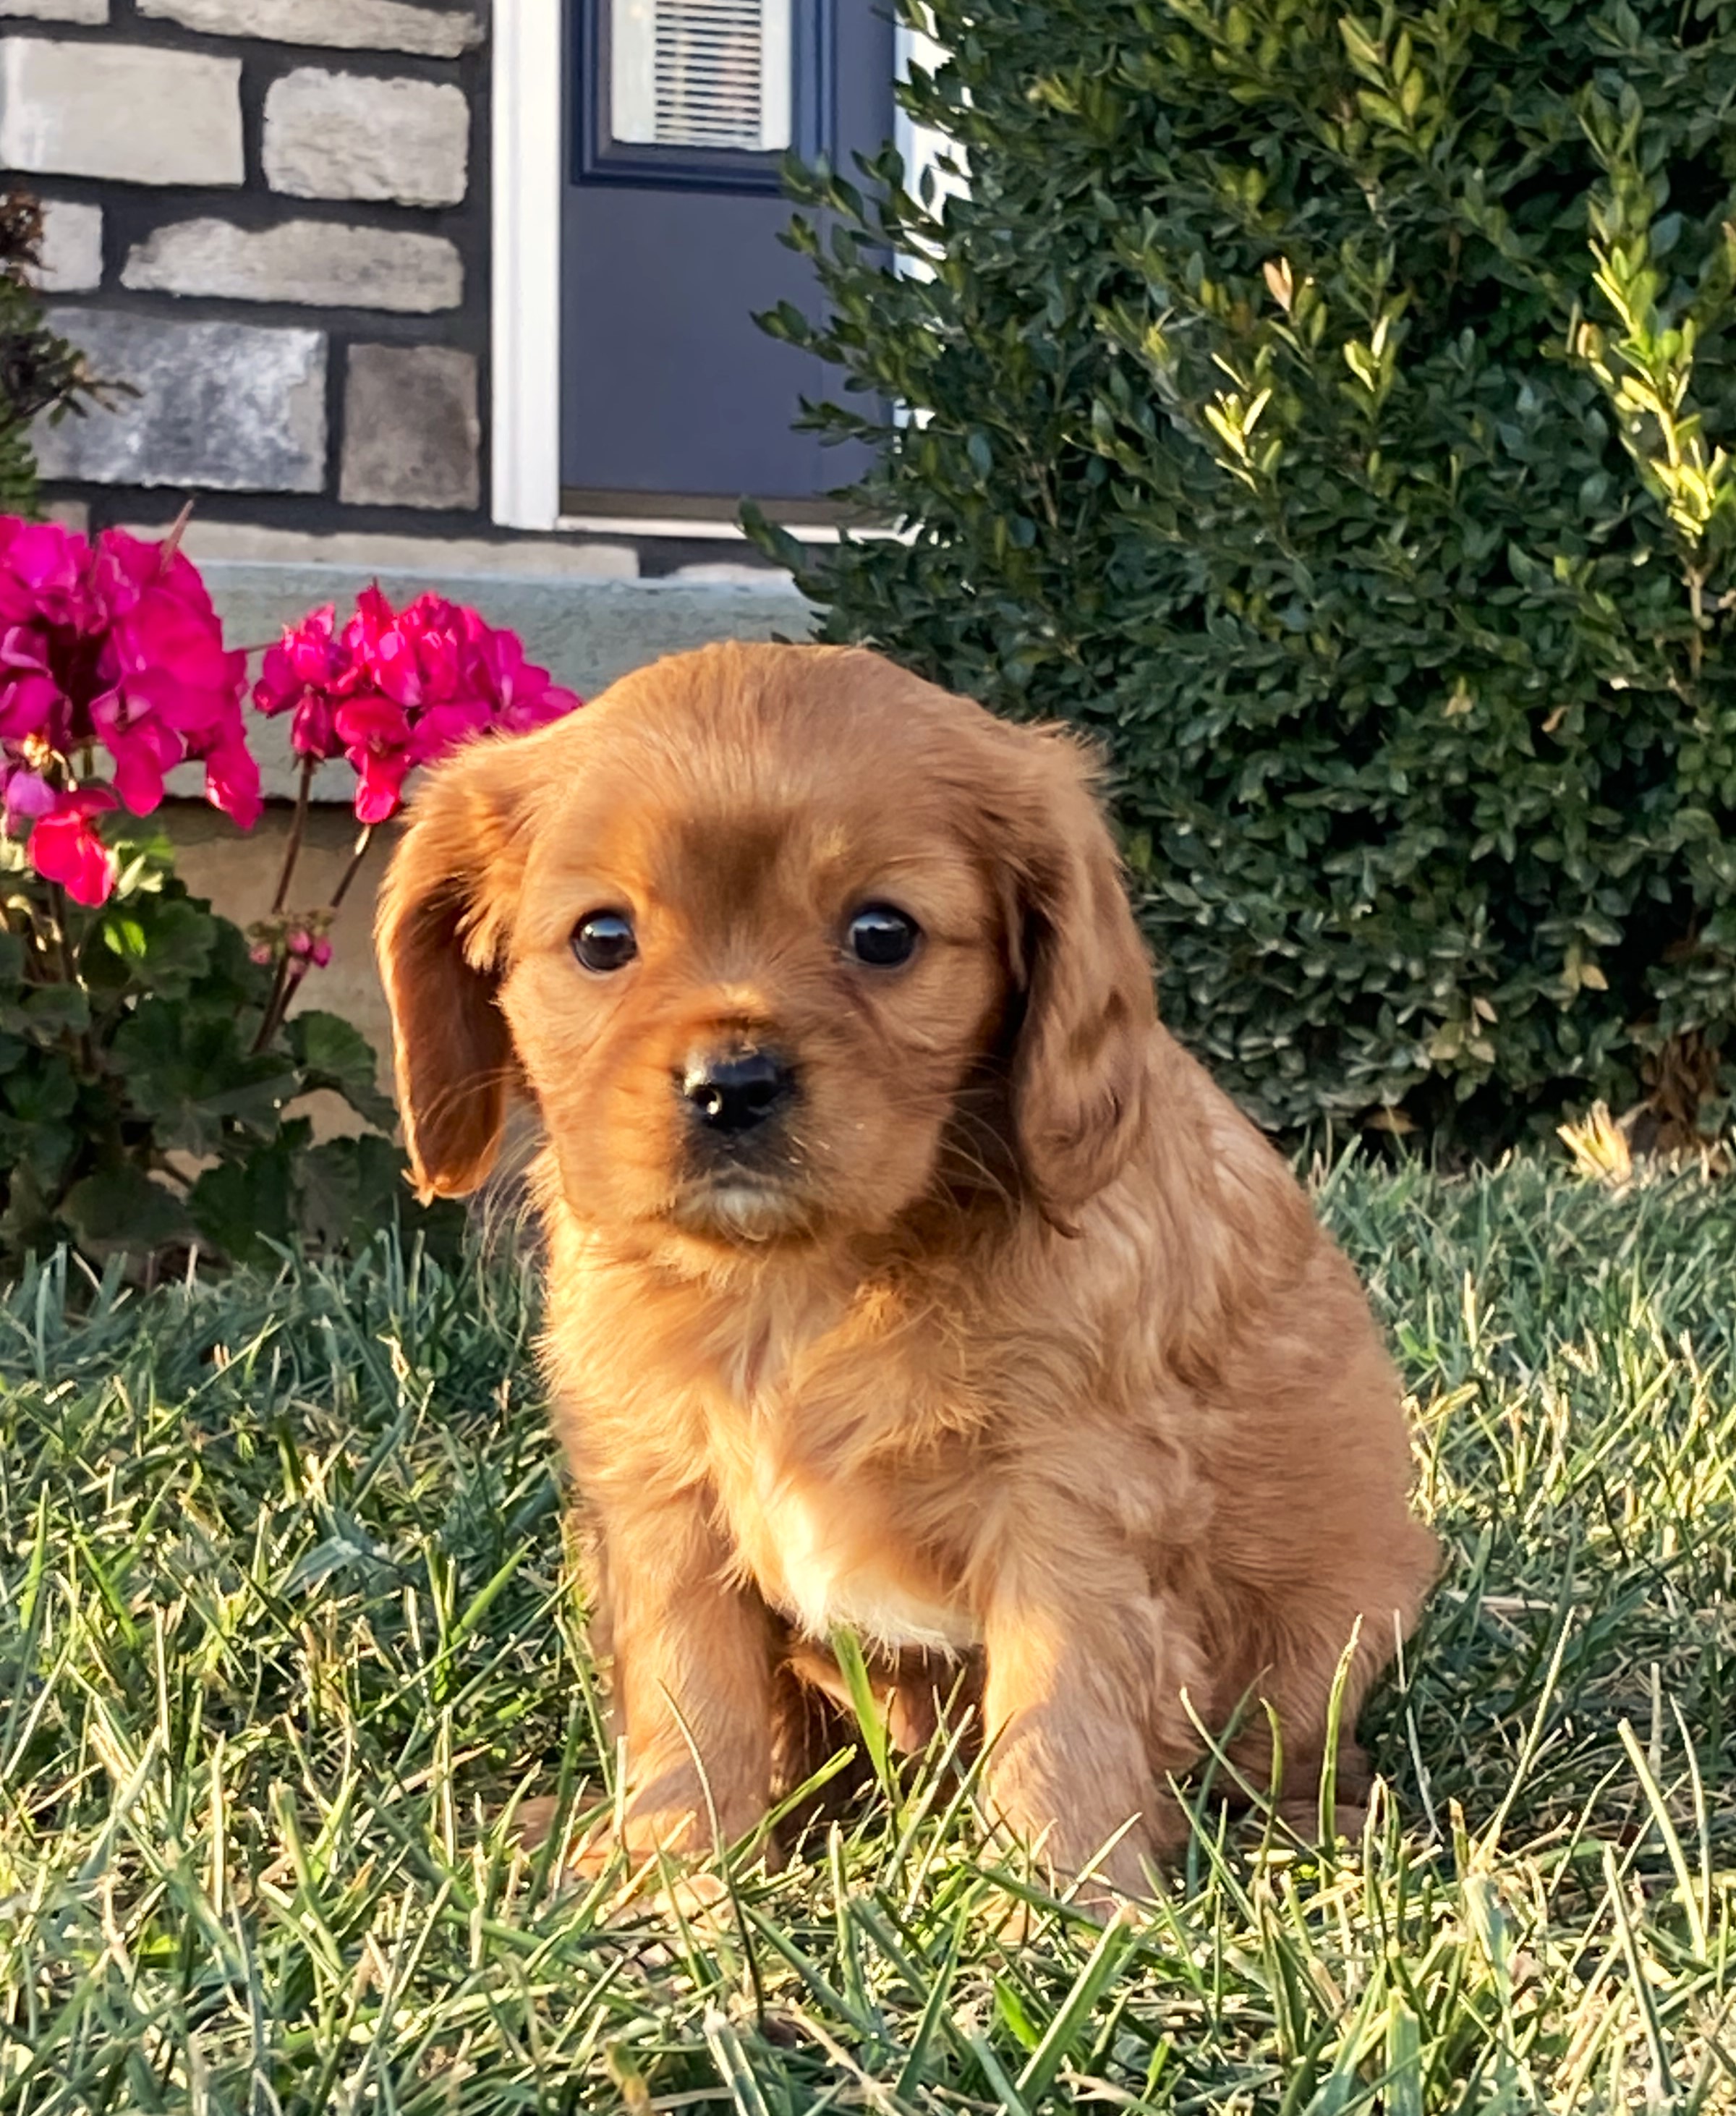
[586,632]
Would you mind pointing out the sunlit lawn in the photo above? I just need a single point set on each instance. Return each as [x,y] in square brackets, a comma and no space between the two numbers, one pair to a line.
[285,1622]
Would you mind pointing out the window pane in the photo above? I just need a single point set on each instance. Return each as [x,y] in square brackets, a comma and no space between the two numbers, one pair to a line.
[700,73]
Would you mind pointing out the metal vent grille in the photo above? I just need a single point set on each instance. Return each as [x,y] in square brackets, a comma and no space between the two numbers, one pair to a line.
[701,73]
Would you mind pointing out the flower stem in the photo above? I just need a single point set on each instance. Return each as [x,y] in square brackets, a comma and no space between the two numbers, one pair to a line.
[69,973]
[297,831]
[171,543]
[289,984]
[356,856]
[290,973]
[272,1019]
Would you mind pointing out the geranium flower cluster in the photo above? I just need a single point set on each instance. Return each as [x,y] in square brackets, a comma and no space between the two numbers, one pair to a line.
[391,691]
[111,647]
[113,672]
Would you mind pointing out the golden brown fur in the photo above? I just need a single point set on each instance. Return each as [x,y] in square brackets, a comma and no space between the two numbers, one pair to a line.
[1016,1341]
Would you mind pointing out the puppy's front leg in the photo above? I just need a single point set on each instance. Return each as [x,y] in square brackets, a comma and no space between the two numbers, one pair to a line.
[1075,1704]
[692,1679]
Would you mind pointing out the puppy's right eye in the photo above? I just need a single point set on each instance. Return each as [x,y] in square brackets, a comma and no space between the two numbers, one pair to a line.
[604,940]
[883,937]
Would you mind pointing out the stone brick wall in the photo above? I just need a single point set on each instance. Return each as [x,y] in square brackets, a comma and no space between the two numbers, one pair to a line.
[270,218]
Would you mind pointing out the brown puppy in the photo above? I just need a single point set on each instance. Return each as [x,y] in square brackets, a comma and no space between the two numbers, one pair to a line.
[903,1273]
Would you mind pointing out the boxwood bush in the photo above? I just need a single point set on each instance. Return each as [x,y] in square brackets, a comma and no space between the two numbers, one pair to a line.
[40,370]
[1326,409]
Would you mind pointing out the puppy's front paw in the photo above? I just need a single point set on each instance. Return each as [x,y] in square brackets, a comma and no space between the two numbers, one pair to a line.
[652,1882]
[1101,1885]
[1100,1860]
[648,1857]
[678,1832]
[651,1842]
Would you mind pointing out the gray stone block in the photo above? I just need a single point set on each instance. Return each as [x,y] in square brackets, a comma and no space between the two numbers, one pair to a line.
[410,429]
[388,26]
[129,113]
[71,247]
[58,10]
[345,135]
[229,407]
[314,262]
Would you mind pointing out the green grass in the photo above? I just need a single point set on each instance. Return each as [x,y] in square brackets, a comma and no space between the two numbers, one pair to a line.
[285,1622]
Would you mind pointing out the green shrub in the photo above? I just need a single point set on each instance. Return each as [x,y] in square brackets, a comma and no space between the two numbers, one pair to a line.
[40,371]
[1324,409]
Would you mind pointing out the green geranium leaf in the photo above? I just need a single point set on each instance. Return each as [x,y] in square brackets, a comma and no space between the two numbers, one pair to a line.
[165,943]
[351,1188]
[193,1077]
[333,1054]
[243,1206]
[41,1092]
[48,1011]
[120,1206]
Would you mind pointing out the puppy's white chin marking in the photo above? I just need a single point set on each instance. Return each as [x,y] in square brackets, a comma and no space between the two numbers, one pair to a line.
[744,1212]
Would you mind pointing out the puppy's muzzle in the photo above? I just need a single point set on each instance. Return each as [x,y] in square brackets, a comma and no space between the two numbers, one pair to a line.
[734,1092]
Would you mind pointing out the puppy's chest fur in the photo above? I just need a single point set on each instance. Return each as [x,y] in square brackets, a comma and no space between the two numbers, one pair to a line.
[803,1540]
[831,1453]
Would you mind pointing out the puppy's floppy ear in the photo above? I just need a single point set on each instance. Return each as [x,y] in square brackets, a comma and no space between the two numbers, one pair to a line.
[443,923]
[1082,1048]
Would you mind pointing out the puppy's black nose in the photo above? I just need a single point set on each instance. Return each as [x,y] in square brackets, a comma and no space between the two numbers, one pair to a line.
[733,1091]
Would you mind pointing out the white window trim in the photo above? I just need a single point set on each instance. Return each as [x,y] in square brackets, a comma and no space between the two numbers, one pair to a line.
[920,147]
[525,216]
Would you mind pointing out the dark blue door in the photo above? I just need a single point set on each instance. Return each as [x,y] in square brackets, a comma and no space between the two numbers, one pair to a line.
[673,400]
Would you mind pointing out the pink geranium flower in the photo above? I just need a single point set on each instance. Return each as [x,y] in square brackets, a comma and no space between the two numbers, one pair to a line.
[375,734]
[27,703]
[111,647]
[306,673]
[395,690]
[233,776]
[42,572]
[65,848]
[28,796]
[143,748]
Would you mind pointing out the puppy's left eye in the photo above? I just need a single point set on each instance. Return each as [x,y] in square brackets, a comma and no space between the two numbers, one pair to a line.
[882,935]
[604,942]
